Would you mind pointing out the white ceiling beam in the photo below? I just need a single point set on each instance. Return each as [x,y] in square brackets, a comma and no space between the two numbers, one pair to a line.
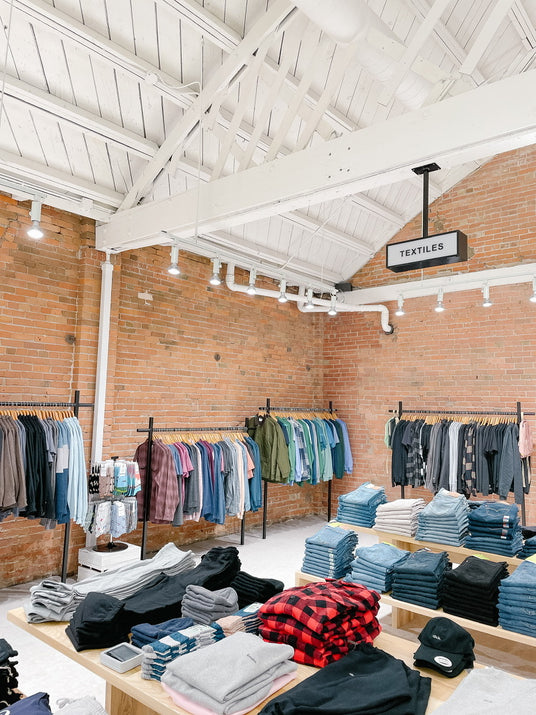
[487,120]
[64,112]
[330,232]
[485,36]
[524,25]
[279,12]
[374,207]
[204,22]
[29,170]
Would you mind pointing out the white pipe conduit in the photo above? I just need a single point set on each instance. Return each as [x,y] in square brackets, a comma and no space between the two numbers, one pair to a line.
[320,304]
[102,359]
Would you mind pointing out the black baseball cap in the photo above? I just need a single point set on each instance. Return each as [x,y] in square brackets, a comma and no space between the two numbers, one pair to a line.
[445,647]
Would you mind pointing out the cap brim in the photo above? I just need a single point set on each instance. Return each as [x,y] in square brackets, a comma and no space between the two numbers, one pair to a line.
[439,659]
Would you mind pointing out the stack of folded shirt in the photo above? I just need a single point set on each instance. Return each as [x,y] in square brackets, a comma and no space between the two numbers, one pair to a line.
[55,601]
[419,579]
[373,566]
[517,600]
[529,548]
[399,516]
[204,606]
[97,623]
[495,528]
[145,633]
[359,507]
[329,552]
[252,588]
[445,519]
[231,676]
[246,619]
[472,589]
[158,654]
[321,621]
[8,675]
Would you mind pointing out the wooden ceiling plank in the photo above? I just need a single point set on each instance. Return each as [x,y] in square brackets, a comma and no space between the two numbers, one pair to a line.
[485,36]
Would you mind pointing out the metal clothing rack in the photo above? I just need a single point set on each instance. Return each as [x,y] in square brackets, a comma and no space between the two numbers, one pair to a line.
[75,405]
[151,430]
[518,413]
[267,409]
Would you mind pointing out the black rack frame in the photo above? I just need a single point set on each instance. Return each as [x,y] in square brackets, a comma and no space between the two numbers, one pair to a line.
[518,413]
[75,405]
[151,430]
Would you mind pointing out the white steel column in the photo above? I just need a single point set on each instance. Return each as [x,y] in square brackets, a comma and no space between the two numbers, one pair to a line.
[102,359]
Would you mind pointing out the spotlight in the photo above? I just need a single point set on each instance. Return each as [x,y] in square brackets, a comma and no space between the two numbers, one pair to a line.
[439,307]
[174,269]
[400,310]
[282,292]
[533,296]
[333,305]
[35,215]
[251,290]
[215,280]
[486,303]
[309,305]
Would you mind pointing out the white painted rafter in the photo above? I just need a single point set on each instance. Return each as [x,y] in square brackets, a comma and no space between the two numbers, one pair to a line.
[503,117]
[486,34]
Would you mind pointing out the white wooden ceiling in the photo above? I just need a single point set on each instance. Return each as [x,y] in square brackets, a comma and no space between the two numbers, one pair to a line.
[249,131]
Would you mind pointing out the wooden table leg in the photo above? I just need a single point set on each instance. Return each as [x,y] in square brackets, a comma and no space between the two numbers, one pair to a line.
[400,617]
[119,703]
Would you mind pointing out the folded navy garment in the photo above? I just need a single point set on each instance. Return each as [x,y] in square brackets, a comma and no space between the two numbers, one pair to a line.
[97,623]
[145,633]
[37,704]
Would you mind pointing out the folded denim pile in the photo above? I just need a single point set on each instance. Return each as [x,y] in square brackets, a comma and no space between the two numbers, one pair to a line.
[444,520]
[399,516]
[517,600]
[495,527]
[472,589]
[359,507]
[8,675]
[231,676]
[158,654]
[373,566]
[204,606]
[145,633]
[246,619]
[529,548]
[253,588]
[419,579]
[321,621]
[52,600]
[329,552]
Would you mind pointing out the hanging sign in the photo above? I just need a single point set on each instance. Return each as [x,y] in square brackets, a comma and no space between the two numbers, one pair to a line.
[434,250]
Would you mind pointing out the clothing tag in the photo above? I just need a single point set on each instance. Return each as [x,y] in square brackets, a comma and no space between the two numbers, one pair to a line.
[388,543]
[334,523]
[481,556]
[531,558]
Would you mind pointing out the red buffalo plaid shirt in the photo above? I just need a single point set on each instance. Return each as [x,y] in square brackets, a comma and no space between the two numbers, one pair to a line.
[322,621]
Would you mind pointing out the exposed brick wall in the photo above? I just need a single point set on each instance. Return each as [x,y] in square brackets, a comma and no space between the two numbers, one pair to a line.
[468,357]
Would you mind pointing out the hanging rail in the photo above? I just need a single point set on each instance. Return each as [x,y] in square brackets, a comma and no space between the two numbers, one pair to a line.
[76,405]
[150,431]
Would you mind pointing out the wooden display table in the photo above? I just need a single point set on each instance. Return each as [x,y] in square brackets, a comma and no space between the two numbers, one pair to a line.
[129,694]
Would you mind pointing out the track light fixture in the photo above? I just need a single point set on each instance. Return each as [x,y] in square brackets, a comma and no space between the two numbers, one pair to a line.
[174,269]
[282,291]
[533,296]
[400,310]
[439,308]
[309,305]
[35,215]
[252,278]
[333,305]
[486,303]
[215,279]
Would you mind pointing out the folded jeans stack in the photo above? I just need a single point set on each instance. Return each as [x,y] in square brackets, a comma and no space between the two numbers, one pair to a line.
[373,566]
[359,507]
[445,519]
[158,654]
[253,588]
[472,589]
[246,619]
[8,675]
[400,516]
[529,548]
[229,677]
[145,633]
[329,552]
[495,527]
[517,600]
[204,606]
[419,579]
[321,621]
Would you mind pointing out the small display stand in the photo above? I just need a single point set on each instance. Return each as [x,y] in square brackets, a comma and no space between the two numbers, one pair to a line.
[98,559]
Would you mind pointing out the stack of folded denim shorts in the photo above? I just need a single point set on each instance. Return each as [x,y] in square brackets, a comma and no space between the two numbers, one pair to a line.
[359,507]
[329,552]
[494,527]
[419,579]
[445,519]
[472,589]
[529,548]
[373,566]
[400,516]
[517,600]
